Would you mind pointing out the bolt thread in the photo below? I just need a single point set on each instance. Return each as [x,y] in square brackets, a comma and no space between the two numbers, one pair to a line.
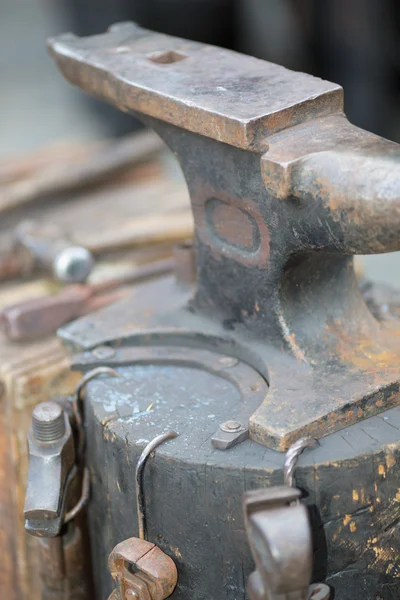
[48,424]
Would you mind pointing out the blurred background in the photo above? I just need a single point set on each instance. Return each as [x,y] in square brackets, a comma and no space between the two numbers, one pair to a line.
[355,43]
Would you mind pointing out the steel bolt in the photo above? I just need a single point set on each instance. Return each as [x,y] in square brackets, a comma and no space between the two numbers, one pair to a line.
[48,423]
[231,426]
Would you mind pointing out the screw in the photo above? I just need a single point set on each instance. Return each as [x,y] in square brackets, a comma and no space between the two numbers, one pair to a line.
[228,361]
[231,426]
[48,423]
[103,352]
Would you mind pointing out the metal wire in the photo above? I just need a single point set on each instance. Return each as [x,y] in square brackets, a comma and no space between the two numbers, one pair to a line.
[77,400]
[292,457]
[141,510]
[83,500]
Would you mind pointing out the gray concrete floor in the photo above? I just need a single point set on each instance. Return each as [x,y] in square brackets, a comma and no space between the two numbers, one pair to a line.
[38,107]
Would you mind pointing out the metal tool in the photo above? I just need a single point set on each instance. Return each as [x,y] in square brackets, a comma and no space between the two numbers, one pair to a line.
[141,569]
[280,539]
[58,491]
[279,533]
[42,316]
[54,503]
[284,192]
[52,469]
[47,248]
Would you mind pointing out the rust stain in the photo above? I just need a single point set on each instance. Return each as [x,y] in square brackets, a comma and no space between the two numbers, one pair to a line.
[233,225]
[176,551]
[355,496]
[390,461]
[382,471]
[297,351]
[353,527]
[372,349]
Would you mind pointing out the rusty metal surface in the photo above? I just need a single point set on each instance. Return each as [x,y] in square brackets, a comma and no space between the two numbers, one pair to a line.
[142,570]
[280,208]
[236,101]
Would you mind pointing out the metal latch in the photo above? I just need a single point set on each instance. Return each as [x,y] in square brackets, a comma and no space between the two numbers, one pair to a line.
[142,570]
[58,490]
[52,469]
[279,533]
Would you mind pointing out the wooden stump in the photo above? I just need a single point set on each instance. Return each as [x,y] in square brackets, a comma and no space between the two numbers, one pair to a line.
[194,492]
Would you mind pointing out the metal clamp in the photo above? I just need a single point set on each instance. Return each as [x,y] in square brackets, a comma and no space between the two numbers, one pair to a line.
[52,469]
[142,570]
[56,463]
[279,534]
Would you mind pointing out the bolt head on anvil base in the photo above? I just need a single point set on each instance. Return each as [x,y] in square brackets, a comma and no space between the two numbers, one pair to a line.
[284,191]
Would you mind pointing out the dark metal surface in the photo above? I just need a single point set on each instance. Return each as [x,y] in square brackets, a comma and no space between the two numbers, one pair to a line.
[279,534]
[54,503]
[51,471]
[284,191]
[280,538]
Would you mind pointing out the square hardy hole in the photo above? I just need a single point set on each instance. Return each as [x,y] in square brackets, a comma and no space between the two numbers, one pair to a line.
[166,57]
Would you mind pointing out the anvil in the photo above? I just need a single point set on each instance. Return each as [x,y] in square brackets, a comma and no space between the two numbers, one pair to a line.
[284,192]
